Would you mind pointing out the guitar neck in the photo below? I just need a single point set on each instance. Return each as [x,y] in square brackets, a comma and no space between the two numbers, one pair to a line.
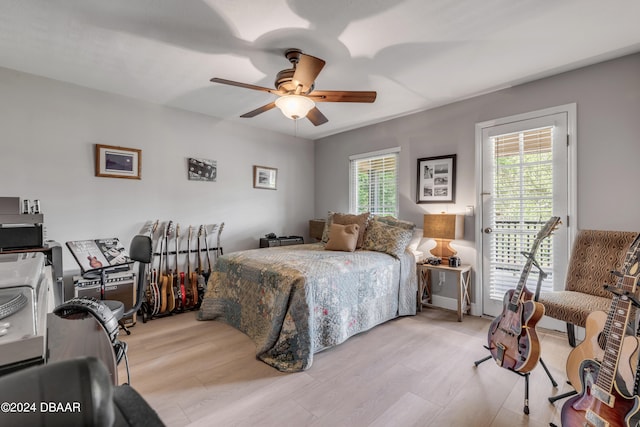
[609,367]
[627,285]
[515,298]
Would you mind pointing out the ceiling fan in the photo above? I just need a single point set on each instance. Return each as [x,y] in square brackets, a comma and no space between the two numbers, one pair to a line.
[295,90]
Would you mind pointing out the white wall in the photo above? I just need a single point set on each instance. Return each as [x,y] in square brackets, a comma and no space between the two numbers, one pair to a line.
[608,105]
[48,130]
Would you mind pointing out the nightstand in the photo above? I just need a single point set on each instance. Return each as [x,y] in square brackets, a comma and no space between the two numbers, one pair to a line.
[463,276]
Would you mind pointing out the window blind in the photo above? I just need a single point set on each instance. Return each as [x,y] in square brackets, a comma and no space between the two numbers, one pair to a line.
[374,183]
[522,203]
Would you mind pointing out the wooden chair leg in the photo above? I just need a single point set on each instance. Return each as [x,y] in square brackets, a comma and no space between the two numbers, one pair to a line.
[571,334]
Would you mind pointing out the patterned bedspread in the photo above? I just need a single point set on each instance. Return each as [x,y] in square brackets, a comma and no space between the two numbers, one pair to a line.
[294,301]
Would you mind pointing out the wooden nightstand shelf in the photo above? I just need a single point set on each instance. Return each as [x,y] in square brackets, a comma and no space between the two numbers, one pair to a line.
[463,276]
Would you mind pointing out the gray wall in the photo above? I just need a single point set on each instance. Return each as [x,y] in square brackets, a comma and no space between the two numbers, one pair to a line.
[608,109]
[48,131]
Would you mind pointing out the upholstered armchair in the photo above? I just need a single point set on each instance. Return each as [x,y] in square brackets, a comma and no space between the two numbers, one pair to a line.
[594,255]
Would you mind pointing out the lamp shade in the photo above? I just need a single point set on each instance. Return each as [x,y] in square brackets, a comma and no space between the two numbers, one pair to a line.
[294,106]
[444,226]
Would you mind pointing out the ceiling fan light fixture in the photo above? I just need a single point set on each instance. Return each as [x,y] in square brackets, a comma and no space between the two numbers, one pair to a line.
[294,106]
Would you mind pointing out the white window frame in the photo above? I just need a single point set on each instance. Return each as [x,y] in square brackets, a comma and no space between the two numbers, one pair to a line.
[395,151]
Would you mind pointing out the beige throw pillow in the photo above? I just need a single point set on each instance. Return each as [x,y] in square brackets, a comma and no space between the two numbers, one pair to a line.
[343,237]
[361,220]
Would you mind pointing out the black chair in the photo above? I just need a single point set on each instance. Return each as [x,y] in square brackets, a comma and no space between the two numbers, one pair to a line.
[75,392]
[140,251]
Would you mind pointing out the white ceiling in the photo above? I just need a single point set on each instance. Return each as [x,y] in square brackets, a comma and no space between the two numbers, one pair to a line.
[417,54]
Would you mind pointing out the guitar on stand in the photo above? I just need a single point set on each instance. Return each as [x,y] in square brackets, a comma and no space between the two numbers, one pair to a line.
[206,245]
[164,278]
[201,280]
[513,341]
[604,398]
[218,244]
[180,291]
[192,276]
[170,293]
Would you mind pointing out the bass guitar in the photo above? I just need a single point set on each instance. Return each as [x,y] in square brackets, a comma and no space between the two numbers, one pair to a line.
[152,292]
[603,400]
[513,340]
[192,276]
[180,291]
[170,293]
[164,279]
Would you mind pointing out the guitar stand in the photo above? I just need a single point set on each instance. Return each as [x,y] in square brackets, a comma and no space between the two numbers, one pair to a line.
[541,276]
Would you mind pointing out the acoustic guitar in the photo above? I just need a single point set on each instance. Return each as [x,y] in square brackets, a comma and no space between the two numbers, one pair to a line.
[603,400]
[513,340]
[597,329]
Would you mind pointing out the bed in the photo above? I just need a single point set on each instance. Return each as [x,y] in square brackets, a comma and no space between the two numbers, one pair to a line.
[295,301]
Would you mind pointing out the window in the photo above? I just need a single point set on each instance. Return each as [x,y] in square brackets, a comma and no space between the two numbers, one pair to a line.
[374,182]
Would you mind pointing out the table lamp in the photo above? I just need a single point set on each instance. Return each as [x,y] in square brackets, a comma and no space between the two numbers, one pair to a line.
[443,228]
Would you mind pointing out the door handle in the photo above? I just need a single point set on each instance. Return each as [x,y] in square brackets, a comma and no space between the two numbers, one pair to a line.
[488,230]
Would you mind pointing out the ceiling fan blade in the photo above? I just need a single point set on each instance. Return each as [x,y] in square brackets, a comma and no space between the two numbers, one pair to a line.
[316,117]
[260,110]
[244,85]
[342,96]
[307,70]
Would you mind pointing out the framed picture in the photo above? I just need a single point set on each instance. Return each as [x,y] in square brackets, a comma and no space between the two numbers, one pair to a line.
[202,170]
[436,179]
[264,177]
[118,162]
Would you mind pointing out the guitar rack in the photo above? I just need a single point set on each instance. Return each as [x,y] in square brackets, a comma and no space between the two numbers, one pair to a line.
[541,276]
[164,259]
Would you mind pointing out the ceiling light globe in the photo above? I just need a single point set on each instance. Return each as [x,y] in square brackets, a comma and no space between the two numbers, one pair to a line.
[294,106]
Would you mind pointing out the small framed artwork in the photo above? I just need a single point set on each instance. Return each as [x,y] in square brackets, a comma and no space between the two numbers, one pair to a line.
[202,170]
[264,177]
[436,179]
[118,162]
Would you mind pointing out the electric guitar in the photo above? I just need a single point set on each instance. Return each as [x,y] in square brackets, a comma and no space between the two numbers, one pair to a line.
[513,340]
[218,245]
[164,278]
[206,245]
[201,279]
[180,292]
[170,293]
[152,291]
[192,276]
[603,400]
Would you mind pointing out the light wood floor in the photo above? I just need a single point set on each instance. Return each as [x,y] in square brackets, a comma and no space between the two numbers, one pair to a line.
[412,371]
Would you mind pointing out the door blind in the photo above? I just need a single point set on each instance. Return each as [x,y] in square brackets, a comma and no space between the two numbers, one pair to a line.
[522,204]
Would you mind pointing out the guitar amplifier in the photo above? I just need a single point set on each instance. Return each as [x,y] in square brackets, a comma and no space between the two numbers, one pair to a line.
[119,286]
[281,241]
